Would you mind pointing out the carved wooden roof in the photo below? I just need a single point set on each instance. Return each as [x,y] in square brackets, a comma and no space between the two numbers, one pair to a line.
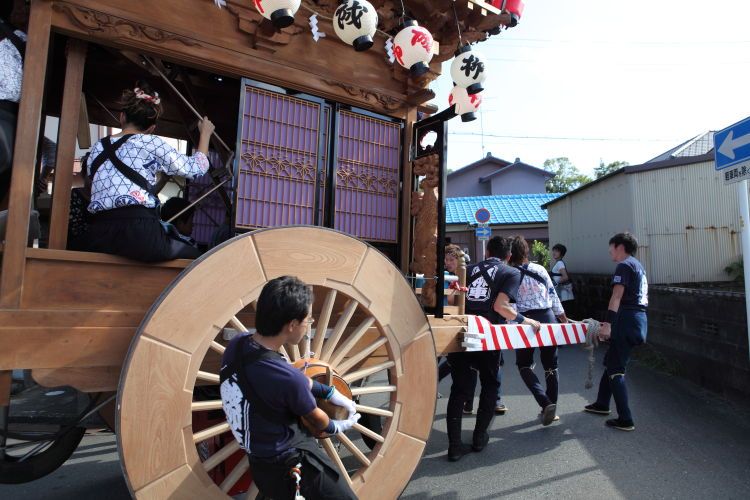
[436,16]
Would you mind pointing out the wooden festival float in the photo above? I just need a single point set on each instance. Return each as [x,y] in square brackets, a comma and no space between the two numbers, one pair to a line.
[323,186]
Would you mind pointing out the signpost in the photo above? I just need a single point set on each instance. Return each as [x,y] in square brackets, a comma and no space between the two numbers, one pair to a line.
[732,157]
[483,231]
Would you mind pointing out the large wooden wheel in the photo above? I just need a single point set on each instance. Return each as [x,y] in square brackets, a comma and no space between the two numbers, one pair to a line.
[369,328]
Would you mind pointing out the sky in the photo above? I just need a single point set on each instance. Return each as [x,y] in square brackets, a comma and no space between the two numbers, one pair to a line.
[601,80]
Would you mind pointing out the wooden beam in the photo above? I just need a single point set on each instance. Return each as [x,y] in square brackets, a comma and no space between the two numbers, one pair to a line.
[5,381]
[66,143]
[24,159]
[406,189]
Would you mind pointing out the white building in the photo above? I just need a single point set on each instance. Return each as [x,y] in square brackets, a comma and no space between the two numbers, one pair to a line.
[685,218]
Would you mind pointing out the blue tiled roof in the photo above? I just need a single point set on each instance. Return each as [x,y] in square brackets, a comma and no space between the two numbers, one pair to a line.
[504,209]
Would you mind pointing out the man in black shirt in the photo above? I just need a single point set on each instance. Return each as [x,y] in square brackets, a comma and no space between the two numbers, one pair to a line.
[626,321]
[492,287]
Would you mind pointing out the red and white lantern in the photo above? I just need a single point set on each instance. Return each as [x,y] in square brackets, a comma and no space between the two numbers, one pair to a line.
[468,69]
[412,47]
[279,12]
[512,7]
[466,104]
[355,23]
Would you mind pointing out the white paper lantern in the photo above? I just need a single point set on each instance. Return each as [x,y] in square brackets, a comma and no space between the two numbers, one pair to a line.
[279,12]
[412,47]
[466,104]
[468,69]
[355,22]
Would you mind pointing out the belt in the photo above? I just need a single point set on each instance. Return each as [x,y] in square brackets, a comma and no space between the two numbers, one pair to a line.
[127,212]
[10,106]
[281,458]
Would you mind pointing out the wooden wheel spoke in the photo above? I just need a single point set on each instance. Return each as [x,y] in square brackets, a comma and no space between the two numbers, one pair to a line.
[353,448]
[208,377]
[366,372]
[373,389]
[210,432]
[206,405]
[215,346]
[253,492]
[360,356]
[322,326]
[221,455]
[306,346]
[355,337]
[333,454]
[367,432]
[293,351]
[283,352]
[338,330]
[374,411]
[237,324]
[235,475]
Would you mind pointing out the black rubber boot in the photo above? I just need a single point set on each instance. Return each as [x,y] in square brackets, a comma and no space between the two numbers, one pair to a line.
[479,441]
[456,449]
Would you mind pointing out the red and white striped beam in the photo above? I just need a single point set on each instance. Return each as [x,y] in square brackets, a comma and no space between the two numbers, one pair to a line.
[481,335]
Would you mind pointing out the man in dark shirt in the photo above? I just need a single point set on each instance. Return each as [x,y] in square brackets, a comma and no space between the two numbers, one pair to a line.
[626,325]
[492,287]
[264,397]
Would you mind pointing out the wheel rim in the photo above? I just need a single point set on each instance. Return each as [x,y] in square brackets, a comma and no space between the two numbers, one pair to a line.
[363,303]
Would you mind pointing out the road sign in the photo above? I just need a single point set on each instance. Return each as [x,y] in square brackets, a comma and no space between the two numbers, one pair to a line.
[732,152]
[482,216]
[483,232]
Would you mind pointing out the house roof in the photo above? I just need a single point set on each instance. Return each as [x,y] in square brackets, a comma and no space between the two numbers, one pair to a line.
[504,209]
[697,146]
[644,167]
[502,166]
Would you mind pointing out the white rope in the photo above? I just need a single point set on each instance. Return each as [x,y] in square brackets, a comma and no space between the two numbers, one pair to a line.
[592,340]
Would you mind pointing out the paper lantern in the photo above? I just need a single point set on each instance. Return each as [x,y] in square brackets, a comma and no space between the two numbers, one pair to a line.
[468,70]
[512,7]
[466,104]
[279,12]
[412,47]
[355,23]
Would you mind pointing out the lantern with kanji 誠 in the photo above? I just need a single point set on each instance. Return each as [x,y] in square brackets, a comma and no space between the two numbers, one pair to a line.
[466,104]
[279,12]
[468,70]
[412,48]
[355,23]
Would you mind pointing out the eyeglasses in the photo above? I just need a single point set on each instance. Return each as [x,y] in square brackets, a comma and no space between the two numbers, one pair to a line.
[310,321]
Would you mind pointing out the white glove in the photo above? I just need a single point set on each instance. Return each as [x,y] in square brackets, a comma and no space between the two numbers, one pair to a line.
[340,400]
[345,425]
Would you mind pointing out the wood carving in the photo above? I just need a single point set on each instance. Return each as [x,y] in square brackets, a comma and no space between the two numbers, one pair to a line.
[424,208]
[263,35]
[115,27]
[377,99]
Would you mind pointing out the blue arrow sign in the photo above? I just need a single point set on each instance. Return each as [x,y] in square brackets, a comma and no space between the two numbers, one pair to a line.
[732,145]
[483,233]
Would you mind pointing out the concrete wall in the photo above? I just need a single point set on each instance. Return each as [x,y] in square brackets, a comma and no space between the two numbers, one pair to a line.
[518,181]
[700,333]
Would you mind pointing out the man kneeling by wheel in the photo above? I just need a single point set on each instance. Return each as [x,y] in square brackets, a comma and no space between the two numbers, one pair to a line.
[264,398]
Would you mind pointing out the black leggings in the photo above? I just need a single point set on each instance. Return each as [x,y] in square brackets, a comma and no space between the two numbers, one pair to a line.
[135,232]
[548,355]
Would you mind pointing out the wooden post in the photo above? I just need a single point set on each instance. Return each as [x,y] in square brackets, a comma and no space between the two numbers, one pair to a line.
[406,189]
[461,271]
[24,158]
[66,143]
[5,381]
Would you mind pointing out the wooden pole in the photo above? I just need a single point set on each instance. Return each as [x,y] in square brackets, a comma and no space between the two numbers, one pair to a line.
[407,176]
[461,301]
[66,143]
[24,158]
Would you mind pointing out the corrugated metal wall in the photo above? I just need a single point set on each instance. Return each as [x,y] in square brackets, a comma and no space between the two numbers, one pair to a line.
[688,222]
[585,221]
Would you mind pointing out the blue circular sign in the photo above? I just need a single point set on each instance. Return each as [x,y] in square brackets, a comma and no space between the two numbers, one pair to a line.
[482,216]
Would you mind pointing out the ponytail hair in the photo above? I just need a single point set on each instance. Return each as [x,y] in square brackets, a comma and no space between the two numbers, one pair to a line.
[141,105]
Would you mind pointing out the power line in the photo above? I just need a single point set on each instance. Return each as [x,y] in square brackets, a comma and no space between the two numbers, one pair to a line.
[631,42]
[554,138]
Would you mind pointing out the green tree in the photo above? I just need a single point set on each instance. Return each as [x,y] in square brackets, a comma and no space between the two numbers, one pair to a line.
[540,254]
[603,169]
[567,176]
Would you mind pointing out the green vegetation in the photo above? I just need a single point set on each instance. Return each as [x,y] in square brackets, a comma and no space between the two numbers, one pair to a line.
[540,254]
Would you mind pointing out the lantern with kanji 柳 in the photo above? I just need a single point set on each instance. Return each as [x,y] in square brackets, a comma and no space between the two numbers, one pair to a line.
[279,12]
[468,69]
[355,23]
[466,104]
[412,48]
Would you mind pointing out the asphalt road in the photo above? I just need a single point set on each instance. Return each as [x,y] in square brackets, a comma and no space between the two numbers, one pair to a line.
[688,443]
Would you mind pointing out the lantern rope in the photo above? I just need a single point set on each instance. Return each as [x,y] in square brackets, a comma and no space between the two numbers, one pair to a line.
[458,25]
